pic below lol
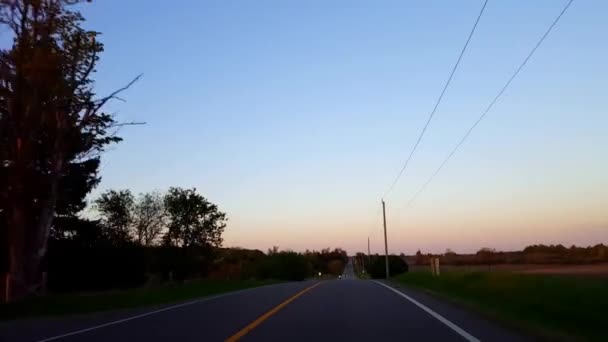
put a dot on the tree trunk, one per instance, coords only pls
(17, 287)
(47, 214)
(17, 224)
(27, 238)
(41, 229)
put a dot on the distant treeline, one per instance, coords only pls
(374, 265)
(77, 268)
(535, 254)
(158, 238)
(238, 263)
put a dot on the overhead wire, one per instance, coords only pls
(445, 87)
(482, 116)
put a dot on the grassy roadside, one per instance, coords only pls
(362, 275)
(547, 305)
(58, 305)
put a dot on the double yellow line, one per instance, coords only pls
(268, 314)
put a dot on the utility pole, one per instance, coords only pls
(385, 240)
(369, 259)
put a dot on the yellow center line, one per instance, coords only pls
(268, 314)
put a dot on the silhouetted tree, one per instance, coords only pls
(487, 256)
(377, 266)
(149, 218)
(335, 267)
(193, 220)
(81, 232)
(79, 179)
(50, 118)
(116, 211)
(284, 265)
(419, 258)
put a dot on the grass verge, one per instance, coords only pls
(362, 275)
(555, 307)
(58, 305)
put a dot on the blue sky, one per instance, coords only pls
(294, 117)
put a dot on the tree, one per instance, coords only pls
(81, 232)
(335, 267)
(487, 256)
(149, 218)
(79, 179)
(377, 266)
(284, 265)
(193, 220)
(125, 218)
(50, 120)
(419, 258)
(116, 211)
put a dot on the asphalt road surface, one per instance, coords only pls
(333, 310)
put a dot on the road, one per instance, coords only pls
(334, 310)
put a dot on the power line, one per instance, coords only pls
(464, 138)
(445, 87)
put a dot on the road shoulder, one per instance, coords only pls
(477, 324)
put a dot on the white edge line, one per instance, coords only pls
(440, 318)
(147, 314)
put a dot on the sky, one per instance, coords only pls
(296, 116)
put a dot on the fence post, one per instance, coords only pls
(437, 266)
(43, 282)
(7, 287)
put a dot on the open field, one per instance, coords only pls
(57, 305)
(549, 305)
(587, 270)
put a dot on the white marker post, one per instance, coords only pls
(435, 266)
(437, 272)
(7, 288)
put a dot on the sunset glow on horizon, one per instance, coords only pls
(296, 129)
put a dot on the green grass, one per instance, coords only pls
(58, 305)
(553, 307)
(362, 275)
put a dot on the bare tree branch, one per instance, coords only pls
(121, 124)
(101, 102)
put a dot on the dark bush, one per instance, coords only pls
(284, 266)
(377, 268)
(335, 267)
(76, 268)
(72, 267)
(179, 263)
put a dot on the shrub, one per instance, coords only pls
(284, 266)
(335, 267)
(377, 268)
(76, 268)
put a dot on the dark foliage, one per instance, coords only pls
(321, 261)
(377, 269)
(284, 266)
(52, 127)
(535, 254)
(76, 268)
(89, 261)
(193, 220)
